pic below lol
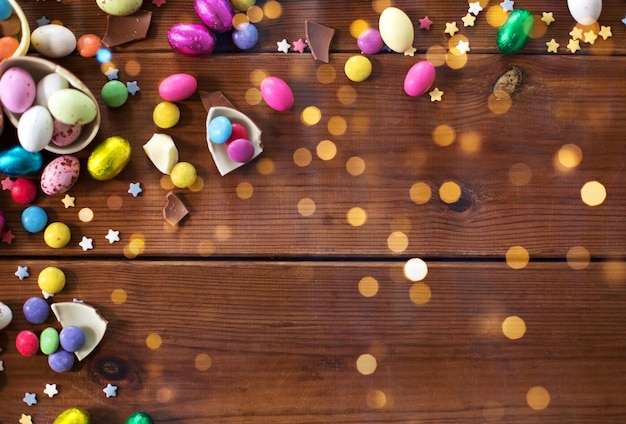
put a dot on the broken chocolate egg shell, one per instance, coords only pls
(508, 82)
(24, 35)
(219, 151)
(174, 210)
(85, 317)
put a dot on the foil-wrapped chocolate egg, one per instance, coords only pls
(216, 14)
(191, 39)
(16, 161)
(73, 416)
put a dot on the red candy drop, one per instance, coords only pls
(27, 343)
(23, 191)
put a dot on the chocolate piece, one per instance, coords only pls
(319, 38)
(174, 210)
(123, 29)
(215, 98)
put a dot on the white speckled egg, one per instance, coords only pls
(48, 85)
(53, 40)
(119, 7)
(585, 12)
(6, 316)
(35, 128)
(72, 106)
(60, 175)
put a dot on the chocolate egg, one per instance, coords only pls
(139, 418)
(585, 12)
(513, 35)
(73, 416)
(16, 161)
(191, 39)
(119, 7)
(109, 158)
(216, 14)
(60, 175)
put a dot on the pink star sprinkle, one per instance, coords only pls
(299, 45)
(425, 23)
(158, 3)
(7, 183)
(7, 237)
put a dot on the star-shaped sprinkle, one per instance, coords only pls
(112, 236)
(590, 37)
(26, 419)
(30, 399)
(135, 189)
(110, 390)
(86, 243)
(425, 23)
(475, 8)
(68, 201)
(547, 18)
(283, 46)
(410, 51)
(43, 21)
(573, 45)
(112, 73)
(463, 46)
(553, 46)
(22, 272)
(158, 3)
(451, 28)
(468, 20)
(7, 237)
(576, 33)
(624, 20)
(132, 88)
(46, 295)
(299, 46)
(507, 5)
(605, 32)
(435, 95)
(51, 390)
(7, 183)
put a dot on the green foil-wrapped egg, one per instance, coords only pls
(109, 158)
(73, 416)
(513, 35)
(139, 418)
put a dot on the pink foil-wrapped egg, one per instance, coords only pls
(191, 39)
(419, 78)
(216, 14)
(60, 175)
(277, 94)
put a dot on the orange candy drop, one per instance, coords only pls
(8, 46)
(88, 45)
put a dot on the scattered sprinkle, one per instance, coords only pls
(86, 243)
(135, 189)
(30, 399)
(507, 5)
(43, 21)
(468, 20)
(624, 20)
(283, 46)
(7, 237)
(553, 46)
(132, 88)
(425, 23)
(22, 272)
(435, 95)
(299, 45)
(46, 295)
(68, 201)
(110, 390)
(26, 419)
(547, 18)
(475, 8)
(158, 3)
(7, 183)
(113, 236)
(576, 33)
(451, 28)
(605, 32)
(590, 37)
(112, 73)
(573, 45)
(463, 46)
(51, 390)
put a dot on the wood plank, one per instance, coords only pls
(280, 342)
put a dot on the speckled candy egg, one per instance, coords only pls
(191, 39)
(72, 106)
(17, 90)
(60, 175)
(119, 7)
(216, 14)
(53, 40)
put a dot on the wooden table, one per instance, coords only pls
(282, 296)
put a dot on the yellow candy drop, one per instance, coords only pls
(183, 174)
(51, 280)
(166, 115)
(358, 68)
(57, 235)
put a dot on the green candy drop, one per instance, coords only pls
(513, 35)
(139, 418)
(49, 341)
(114, 93)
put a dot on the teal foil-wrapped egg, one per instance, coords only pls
(17, 161)
(513, 35)
(139, 418)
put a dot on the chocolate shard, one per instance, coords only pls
(319, 38)
(174, 210)
(215, 98)
(123, 29)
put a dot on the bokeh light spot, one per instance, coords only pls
(85, 215)
(578, 257)
(164, 394)
(257, 76)
(119, 296)
(357, 27)
(306, 207)
(538, 398)
(420, 193)
(132, 68)
(470, 142)
(311, 115)
(265, 166)
(420, 293)
(593, 193)
(397, 242)
(197, 185)
(154, 341)
(444, 135)
(499, 105)
(368, 286)
(355, 166)
(415, 269)
(436, 55)
(356, 217)
(569, 156)
(255, 14)
(326, 150)
(496, 15)
(366, 364)
(376, 399)
(203, 362)
(346, 94)
(272, 9)
(253, 96)
(517, 257)
(337, 125)
(244, 190)
(240, 21)
(206, 248)
(302, 157)
(513, 327)
(115, 202)
(326, 74)
(456, 61)
(166, 183)
(449, 192)
(520, 174)
(223, 232)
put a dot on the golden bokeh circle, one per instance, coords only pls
(450, 192)
(578, 258)
(244, 190)
(368, 286)
(302, 157)
(366, 364)
(306, 207)
(420, 193)
(355, 166)
(397, 242)
(593, 193)
(326, 150)
(517, 257)
(203, 362)
(538, 398)
(356, 217)
(513, 327)
(420, 293)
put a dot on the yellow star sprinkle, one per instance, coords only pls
(26, 419)
(435, 95)
(605, 32)
(576, 33)
(547, 18)
(68, 201)
(573, 45)
(590, 37)
(451, 28)
(468, 20)
(553, 46)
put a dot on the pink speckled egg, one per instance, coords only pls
(17, 90)
(177, 87)
(419, 78)
(191, 39)
(65, 134)
(277, 94)
(216, 14)
(60, 175)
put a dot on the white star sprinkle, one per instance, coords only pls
(22, 272)
(507, 5)
(30, 399)
(475, 8)
(463, 46)
(110, 390)
(113, 236)
(135, 189)
(51, 390)
(283, 46)
(86, 243)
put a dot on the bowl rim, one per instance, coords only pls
(24, 45)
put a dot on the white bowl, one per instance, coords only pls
(220, 156)
(24, 45)
(38, 68)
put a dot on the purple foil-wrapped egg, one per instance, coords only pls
(216, 14)
(191, 39)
